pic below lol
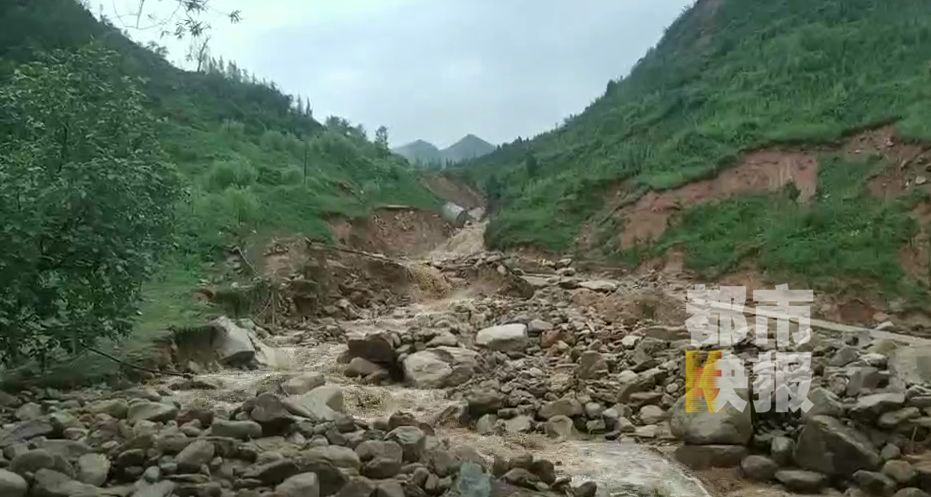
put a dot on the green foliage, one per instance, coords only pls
(723, 80)
(86, 199)
(85, 232)
(844, 231)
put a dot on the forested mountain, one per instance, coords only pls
(419, 152)
(246, 161)
(469, 147)
(426, 154)
(727, 78)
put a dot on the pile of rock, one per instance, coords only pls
(867, 430)
(433, 357)
(141, 443)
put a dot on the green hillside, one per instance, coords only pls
(727, 77)
(254, 163)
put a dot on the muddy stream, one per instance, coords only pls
(619, 469)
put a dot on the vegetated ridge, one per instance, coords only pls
(253, 161)
(730, 78)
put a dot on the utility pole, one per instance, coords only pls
(305, 161)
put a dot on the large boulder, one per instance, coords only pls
(11, 484)
(232, 343)
(911, 364)
(828, 446)
(50, 483)
(504, 338)
(320, 404)
(373, 347)
(439, 367)
(302, 485)
(302, 384)
(727, 426)
(145, 410)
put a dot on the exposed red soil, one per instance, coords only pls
(765, 170)
(760, 171)
(452, 191)
(393, 232)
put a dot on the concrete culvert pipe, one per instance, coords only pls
(455, 214)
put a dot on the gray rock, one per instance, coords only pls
(28, 411)
(862, 379)
(912, 365)
(301, 485)
(303, 383)
(339, 457)
(486, 424)
(241, 430)
(874, 483)
(34, 460)
(890, 451)
(69, 449)
(160, 489)
(844, 356)
(358, 486)
(823, 403)
(389, 488)
(603, 286)
(93, 469)
(710, 456)
(484, 402)
(359, 366)
(194, 456)
(504, 338)
(50, 483)
(320, 404)
(26, 430)
(801, 481)
(561, 407)
(113, 407)
(559, 427)
(371, 449)
(782, 449)
(380, 468)
(11, 484)
(538, 326)
(891, 419)
(877, 403)
(900, 471)
(759, 468)
(411, 439)
(426, 369)
(591, 364)
(651, 414)
(472, 481)
(374, 347)
(828, 446)
(273, 473)
(233, 344)
(145, 410)
(911, 492)
(519, 424)
(727, 426)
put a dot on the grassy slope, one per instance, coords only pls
(242, 150)
(744, 75)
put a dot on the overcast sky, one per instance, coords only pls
(431, 69)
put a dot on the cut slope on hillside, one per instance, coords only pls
(729, 77)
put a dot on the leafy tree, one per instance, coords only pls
(87, 202)
(533, 167)
(381, 140)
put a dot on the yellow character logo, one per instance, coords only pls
(701, 381)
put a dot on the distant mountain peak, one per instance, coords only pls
(423, 152)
